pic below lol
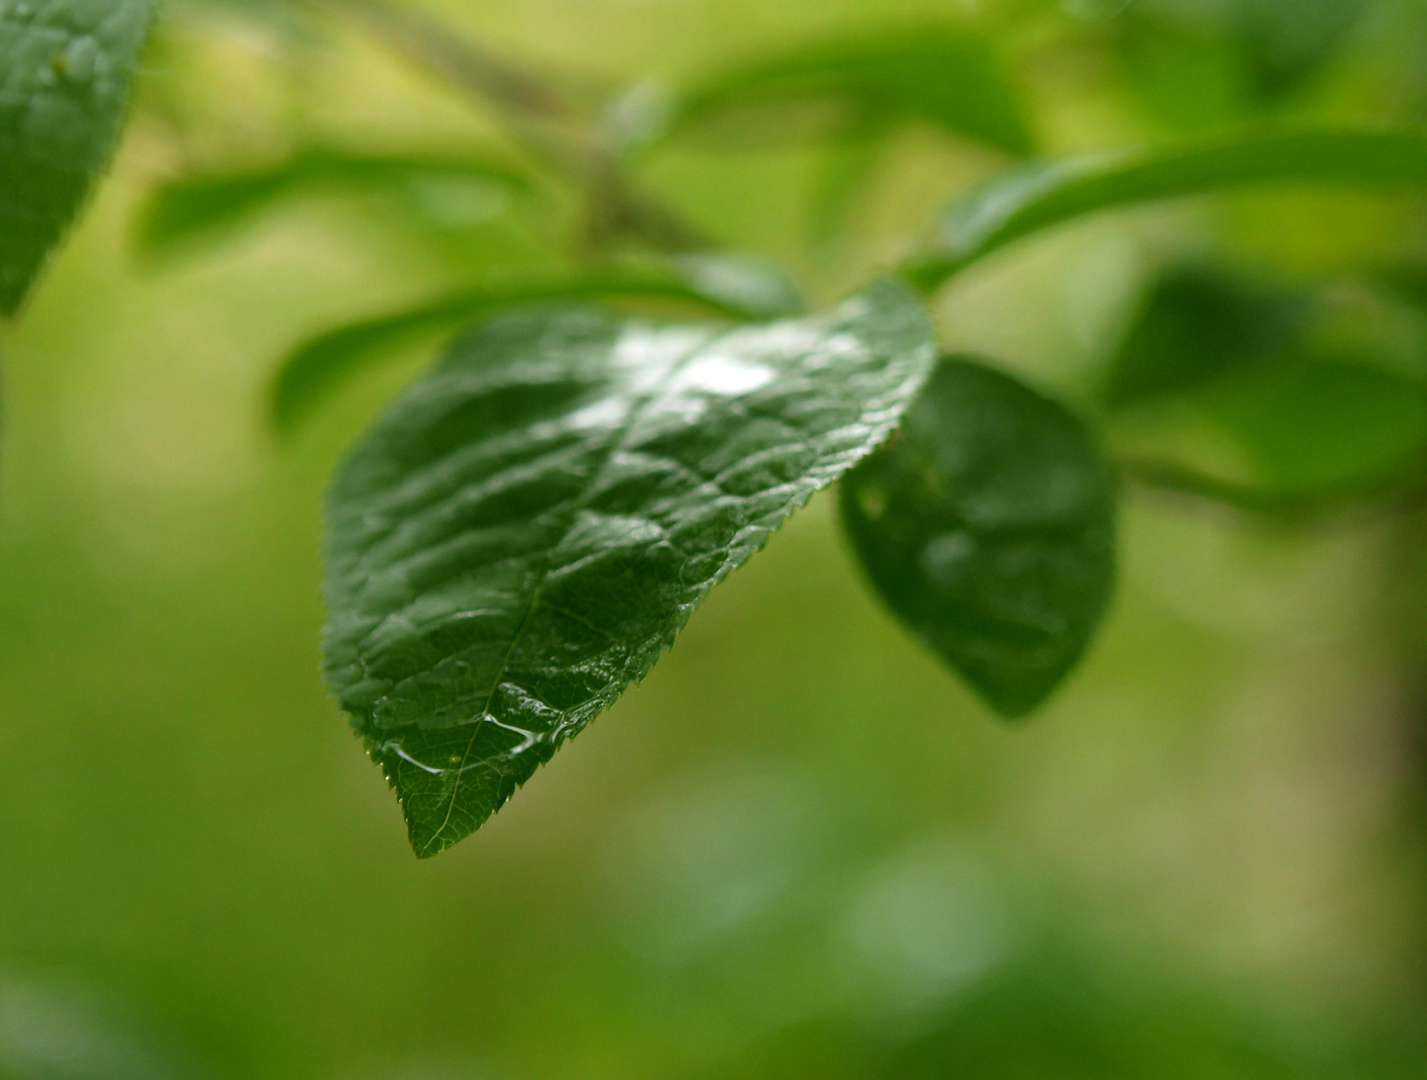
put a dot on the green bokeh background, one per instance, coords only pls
(800, 848)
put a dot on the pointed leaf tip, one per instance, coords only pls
(67, 68)
(528, 528)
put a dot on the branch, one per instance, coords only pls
(526, 105)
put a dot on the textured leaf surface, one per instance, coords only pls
(1025, 200)
(64, 77)
(987, 525)
(945, 75)
(724, 286)
(526, 530)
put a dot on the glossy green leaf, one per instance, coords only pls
(1026, 200)
(944, 75)
(194, 207)
(726, 287)
(65, 68)
(523, 533)
(987, 524)
(1197, 322)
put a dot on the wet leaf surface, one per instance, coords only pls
(527, 529)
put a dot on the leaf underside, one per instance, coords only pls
(524, 532)
(64, 78)
(987, 524)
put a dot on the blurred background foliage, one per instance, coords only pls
(800, 849)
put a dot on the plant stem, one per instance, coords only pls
(532, 110)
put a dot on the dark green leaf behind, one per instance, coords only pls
(987, 524)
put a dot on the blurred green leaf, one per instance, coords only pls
(1404, 280)
(1028, 199)
(1197, 322)
(1299, 506)
(1287, 42)
(1251, 49)
(948, 76)
(1189, 75)
(743, 284)
(1321, 435)
(843, 177)
(66, 69)
(523, 533)
(196, 207)
(987, 524)
(739, 288)
(1323, 424)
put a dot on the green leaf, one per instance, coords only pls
(1272, 47)
(987, 524)
(1026, 200)
(1324, 424)
(1189, 76)
(1318, 436)
(948, 76)
(1287, 43)
(845, 174)
(1285, 505)
(65, 67)
(737, 288)
(194, 207)
(523, 533)
(1198, 322)
(744, 284)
